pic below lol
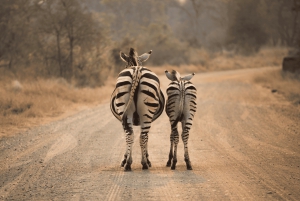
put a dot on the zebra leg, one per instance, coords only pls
(129, 142)
(175, 139)
(171, 150)
(185, 138)
(143, 144)
(147, 155)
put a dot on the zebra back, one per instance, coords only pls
(182, 96)
(130, 82)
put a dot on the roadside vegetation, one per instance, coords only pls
(227, 60)
(31, 101)
(27, 103)
(59, 55)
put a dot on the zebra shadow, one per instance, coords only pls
(153, 177)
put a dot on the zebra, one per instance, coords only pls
(180, 107)
(136, 100)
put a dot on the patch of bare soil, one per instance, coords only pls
(242, 147)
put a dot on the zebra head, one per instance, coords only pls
(175, 76)
(133, 59)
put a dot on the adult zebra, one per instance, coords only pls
(136, 100)
(181, 107)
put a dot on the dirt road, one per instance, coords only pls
(243, 146)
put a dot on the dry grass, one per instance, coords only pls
(227, 60)
(265, 57)
(285, 83)
(30, 103)
(27, 103)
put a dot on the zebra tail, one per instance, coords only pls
(135, 83)
(181, 101)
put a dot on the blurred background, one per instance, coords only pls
(81, 39)
(53, 48)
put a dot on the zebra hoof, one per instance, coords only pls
(127, 168)
(173, 167)
(168, 164)
(188, 165)
(149, 163)
(145, 167)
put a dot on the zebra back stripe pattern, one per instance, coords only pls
(181, 96)
(130, 82)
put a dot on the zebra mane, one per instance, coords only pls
(133, 59)
(176, 75)
(132, 53)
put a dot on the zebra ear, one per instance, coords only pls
(124, 57)
(144, 57)
(188, 77)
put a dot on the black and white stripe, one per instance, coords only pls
(181, 107)
(137, 100)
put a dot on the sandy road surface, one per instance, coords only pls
(242, 147)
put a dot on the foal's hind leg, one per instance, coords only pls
(147, 155)
(185, 138)
(174, 139)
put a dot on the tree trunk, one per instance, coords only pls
(71, 56)
(10, 62)
(59, 54)
(295, 29)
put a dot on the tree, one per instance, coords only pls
(50, 23)
(282, 21)
(15, 17)
(296, 9)
(72, 27)
(200, 23)
(246, 30)
(144, 25)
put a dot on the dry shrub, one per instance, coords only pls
(265, 57)
(43, 98)
(204, 60)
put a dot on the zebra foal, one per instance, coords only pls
(181, 107)
(136, 100)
